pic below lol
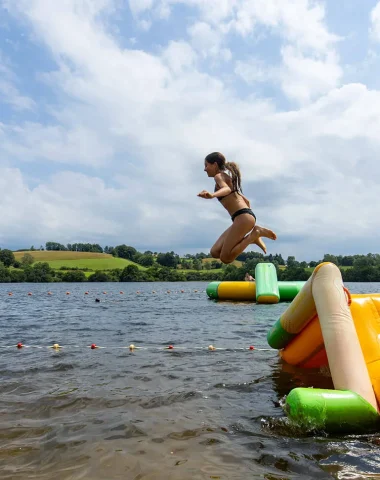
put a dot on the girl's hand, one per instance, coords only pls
(205, 194)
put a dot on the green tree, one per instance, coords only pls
(130, 274)
(215, 264)
(362, 261)
(5, 276)
(169, 259)
(7, 257)
(232, 273)
(347, 261)
(330, 258)
(146, 260)
(292, 262)
(26, 259)
(124, 251)
(39, 272)
(98, 276)
(17, 276)
(74, 276)
(197, 264)
(54, 246)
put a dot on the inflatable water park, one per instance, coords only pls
(324, 327)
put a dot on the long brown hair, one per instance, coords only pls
(232, 167)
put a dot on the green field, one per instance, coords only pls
(202, 272)
(94, 261)
(237, 263)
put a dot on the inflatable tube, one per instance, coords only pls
(289, 290)
(266, 283)
(212, 289)
(232, 290)
(325, 326)
(331, 410)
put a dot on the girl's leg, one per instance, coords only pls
(237, 240)
(217, 247)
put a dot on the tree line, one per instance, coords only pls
(169, 266)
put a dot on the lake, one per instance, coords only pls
(155, 413)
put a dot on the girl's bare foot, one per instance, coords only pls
(264, 232)
(259, 242)
(258, 232)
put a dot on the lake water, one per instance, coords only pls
(185, 413)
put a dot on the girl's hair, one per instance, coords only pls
(232, 167)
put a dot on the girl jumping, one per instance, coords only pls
(243, 230)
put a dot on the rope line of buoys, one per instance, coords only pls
(132, 347)
(138, 292)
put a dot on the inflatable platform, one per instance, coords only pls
(265, 289)
(326, 326)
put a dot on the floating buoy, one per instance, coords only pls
(56, 346)
(168, 291)
(20, 345)
(29, 293)
(153, 291)
(86, 293)
(104, 293)
(182, 291)
(93, 346)
(170, 347)
(10, 294)
(195, 291)
(131, 347)
(67, 293)
(121, 293)
(49, 293)
(211, 347)
(251, 347)
(137, 292)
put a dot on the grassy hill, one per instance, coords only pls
(237, 263)
(94, 261)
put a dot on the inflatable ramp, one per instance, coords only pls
(326, 326)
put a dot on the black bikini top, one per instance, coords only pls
(221, 198)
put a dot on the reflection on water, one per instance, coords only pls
(186, 413)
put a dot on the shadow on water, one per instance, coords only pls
(187, 413)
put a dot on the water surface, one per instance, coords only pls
(186, 413)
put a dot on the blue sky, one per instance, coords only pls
(108, 107)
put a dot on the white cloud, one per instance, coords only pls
(179, 56)
(212, 11)
(205, 39)
(139, 6)
(375, 23)
(310, 63)
(304, 78)
(301, 78)
(254, 71)
(32, 141)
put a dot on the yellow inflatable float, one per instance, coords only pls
(327, 326)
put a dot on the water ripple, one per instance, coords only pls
(186, 413)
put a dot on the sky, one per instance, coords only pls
(109, 107)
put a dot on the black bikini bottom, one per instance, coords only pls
(241, 211)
